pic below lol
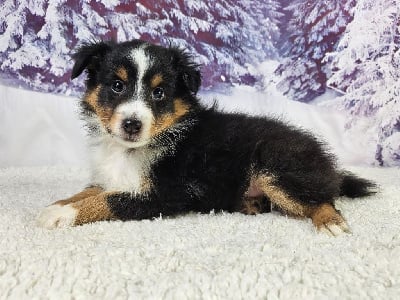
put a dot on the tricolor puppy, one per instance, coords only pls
(156, 150)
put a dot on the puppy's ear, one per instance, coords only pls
(188, 71)
(88, 56)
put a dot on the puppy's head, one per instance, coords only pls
(136, 90)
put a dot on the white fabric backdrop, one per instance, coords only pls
(43, 129)
(39, 129)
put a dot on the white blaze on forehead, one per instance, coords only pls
(142, 63)
(135, 109)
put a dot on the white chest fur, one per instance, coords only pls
(116, 169)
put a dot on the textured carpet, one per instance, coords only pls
(213, 256)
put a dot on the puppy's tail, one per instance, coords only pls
(353, 186)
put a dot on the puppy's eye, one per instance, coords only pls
(158, 93)
(118, 86)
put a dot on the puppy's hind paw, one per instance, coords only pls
(329, 220)
(333, 229)
(56, 215)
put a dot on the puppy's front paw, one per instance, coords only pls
(56, 215)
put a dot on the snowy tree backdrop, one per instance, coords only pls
(314, 27)
(350, 47)
(38, 36)
(366, 68)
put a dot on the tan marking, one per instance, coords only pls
(146, 185)
(278, 196)
(156, 80)
(104, 114)
(326, 218)
(115, 121)
(169, 119)
(91, 97)
(88, 192)
(93, 209)
(252, 205)
(122, 73)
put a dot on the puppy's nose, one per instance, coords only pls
(131, 126)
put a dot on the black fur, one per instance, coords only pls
(89, 57)
(353, 186)
(210, 167)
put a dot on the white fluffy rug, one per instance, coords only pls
(214, 256)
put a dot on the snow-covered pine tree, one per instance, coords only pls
(366, 68)
(225, 35)
(38, 36)
(314, 28)
(17, 51)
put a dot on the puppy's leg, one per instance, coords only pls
(88, 206)
(107, 206)
(324, 216)
(86, 193)
(61, 213)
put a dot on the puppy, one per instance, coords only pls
(155, 150)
